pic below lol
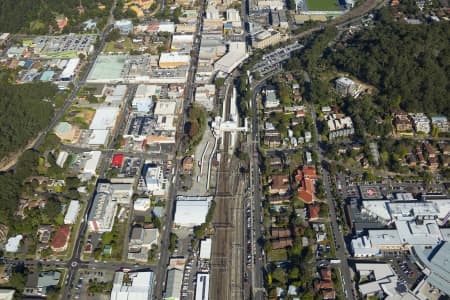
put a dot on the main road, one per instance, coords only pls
(161, 270)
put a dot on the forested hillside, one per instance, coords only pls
(407, 61)
(25, 110)
(35, 16)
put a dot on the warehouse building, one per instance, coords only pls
(132, 285)
(237, 53)
(191, 211)
(70, 70)
(173, 60)
(202, 288)
(174, 283)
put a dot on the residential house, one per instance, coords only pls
(44, 233)
(280, 233)
(279, 184)
(282, 243)
(313, 211)
(402, 122)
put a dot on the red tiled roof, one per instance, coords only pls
(306, 178)
(314, 211)
(61, 237)
(325, 274)
(117, 160)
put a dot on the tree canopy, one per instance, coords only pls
(24, 16)
(406, 63)
(26, 110)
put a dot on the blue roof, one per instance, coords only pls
(28, 64)
(47, 75)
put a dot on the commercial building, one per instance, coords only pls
(173, 60)
(212, 47)
(166, 26)
(102, 124)
(237, 53)
(185, 28)
(104, 118)
(191, 211)
(182, 42)
(382, 278)
(233, 17)
(132, 285)
(122, 193)
(143, 99)
(142, 204)
(90, 163)
(39, 283)
(124, 26)
(202, 287)
(115, 96)
(173, 284)
(7, 294)
(205, 96)
(436, 264)
(165, 108)
(270, 4)
(155, 181)
(140, 243)
(61, 239)
(266, 38)
(70, 70)
(103, 211)
(72, 212)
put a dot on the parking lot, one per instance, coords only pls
(85, 277)
(407, 271)
(272, 60)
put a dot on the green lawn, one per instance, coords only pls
(278, 255)
(324, 5)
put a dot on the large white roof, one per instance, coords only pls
(205, 248)
(105, 118)
(92, 162)
(70, 68)
(191, 211)
(13, 243)
(72, 212)
(165, 107)
(139, 286)
(202, 288)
